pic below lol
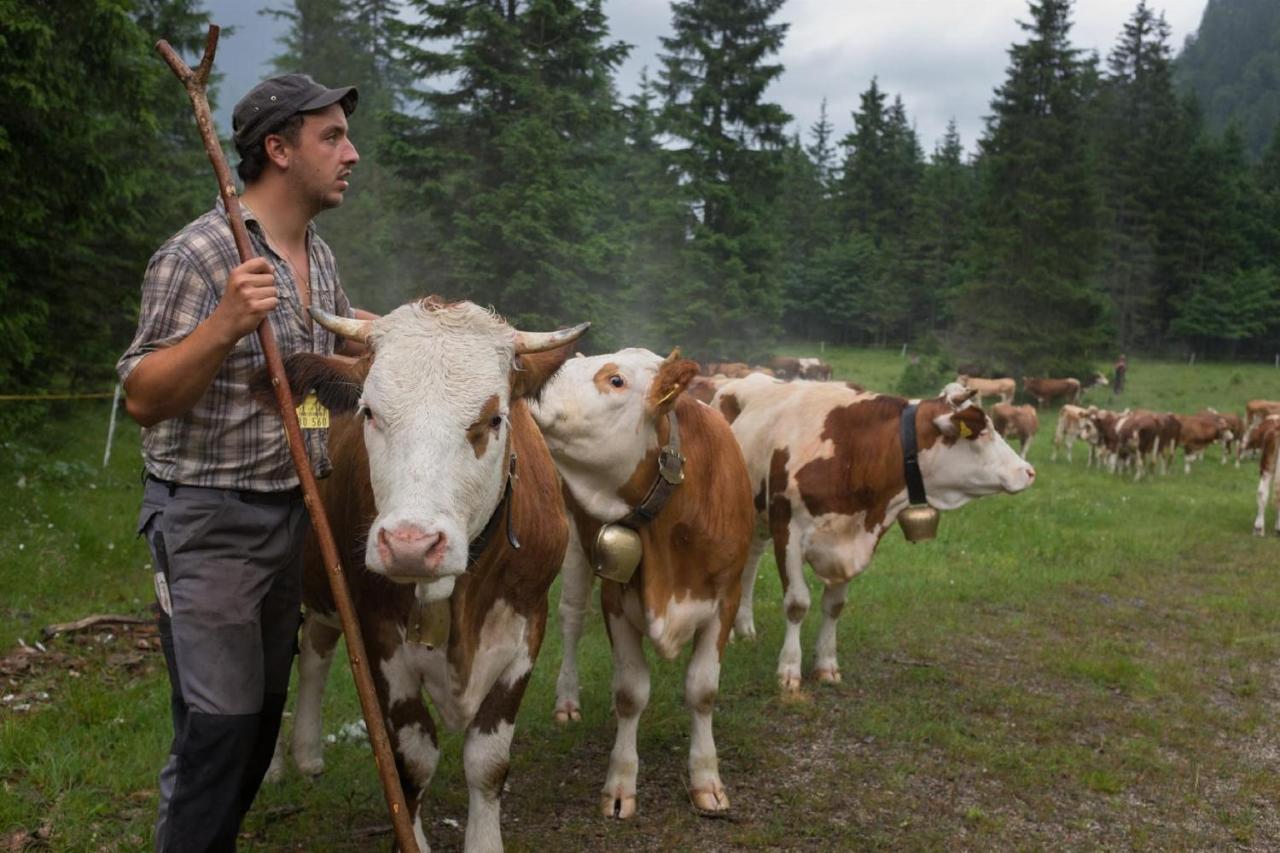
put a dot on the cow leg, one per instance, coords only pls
(315, 656)
(795, 600)
(575, 598)
(630, 696)
(826, 667)
(486, 758)
(410, 728)
(744, 625)
(701, 685)
(1264, 493)
(1026, 446)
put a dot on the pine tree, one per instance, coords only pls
(944, 227)
(1033, 303)
(727, 148)
(508, 156)
(1141, 149)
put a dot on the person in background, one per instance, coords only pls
(221, 507)
(1117, 384)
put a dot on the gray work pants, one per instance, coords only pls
(228, 580)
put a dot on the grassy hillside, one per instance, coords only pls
(1088, 664)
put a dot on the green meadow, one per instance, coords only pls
(1089, 664)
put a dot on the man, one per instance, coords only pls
(221, 507)
(1121, 368)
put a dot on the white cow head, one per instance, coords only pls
(434, 395)
(599, 416)
(969, 459)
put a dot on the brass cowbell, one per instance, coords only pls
(617, 553)
(919, 522)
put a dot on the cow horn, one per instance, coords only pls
(959, 398)
(346, 327)
(529, 342)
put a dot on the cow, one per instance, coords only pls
(1253, 435)
(1256, 410)
(1170, 435)
(606, 420)
(1267, 438)
(731, 369)
(1048, 390)
(788, 367)
(1020, 421)
(1100, 431)
(1003, 388)
(446, 508)
(827, 467)
(1138, 439)
(703, 388)
(1230, 431)
(1071, 420)
(1196, 432)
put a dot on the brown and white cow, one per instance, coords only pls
(1071, 420)
(1003, 388)
(1267, 439)
(1048, 390)
(789, 367)
(427, 431)
(1230, 433)
(1170, 436)
(1256, 410)
(827, 466)
(1138, 438)
(1099, 431)
(1019, 421)
(605, 419)
(1196, 432)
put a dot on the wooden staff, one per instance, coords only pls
(196, 82)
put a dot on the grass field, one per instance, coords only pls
(1089, 664)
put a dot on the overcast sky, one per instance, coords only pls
(945, 57)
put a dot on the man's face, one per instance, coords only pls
(322, 160)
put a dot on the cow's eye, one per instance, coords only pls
(365, 412)
(495, 422)
(617, 381)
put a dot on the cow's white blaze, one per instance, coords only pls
(597, 425)
(433, 373)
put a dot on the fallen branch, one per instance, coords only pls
(48, 632)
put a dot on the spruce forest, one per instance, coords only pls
(1111, 205)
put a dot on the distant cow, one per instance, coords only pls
(1100, 431)
(1256, 410)
(1003, 388)
(1019, 421)
(1197, 433)
(1048, 390)
(1230, 432)
(606, 421)
(438, 472)
(1138, 435)
(826, 463)
(1268, 440)
(1071, 420)
(787, 367)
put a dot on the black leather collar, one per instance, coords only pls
(670, 475)
(478, 544)
(911, 456)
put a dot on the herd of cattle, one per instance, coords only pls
(472, 463)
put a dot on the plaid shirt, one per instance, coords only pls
(228, 440)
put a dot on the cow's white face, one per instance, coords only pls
(598, 417)
(436, 428)
(978, 462)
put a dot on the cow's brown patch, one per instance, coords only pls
(602, 377)
(480, 430)
(673, 376)
(730, 407)
(779, 510)
(500, 705)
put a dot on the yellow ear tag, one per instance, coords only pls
(675, 389)
(312, 414)
(965, 432)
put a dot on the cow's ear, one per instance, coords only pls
(966, 423)
(674, 375)
(338, 383)
(530, 371)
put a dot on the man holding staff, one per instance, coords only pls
(221, 507)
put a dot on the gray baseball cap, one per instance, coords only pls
(276, 99)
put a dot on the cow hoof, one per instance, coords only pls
(275, 773)
(744, 632)
(310, 767)
(713, 799)
(567, 712)
(621, 806)
(827, 676)
(789, 683)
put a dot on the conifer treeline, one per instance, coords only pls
(501, 164)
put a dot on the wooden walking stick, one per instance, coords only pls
(196, 82)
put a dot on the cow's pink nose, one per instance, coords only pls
(409, 546)
(1031, 474)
